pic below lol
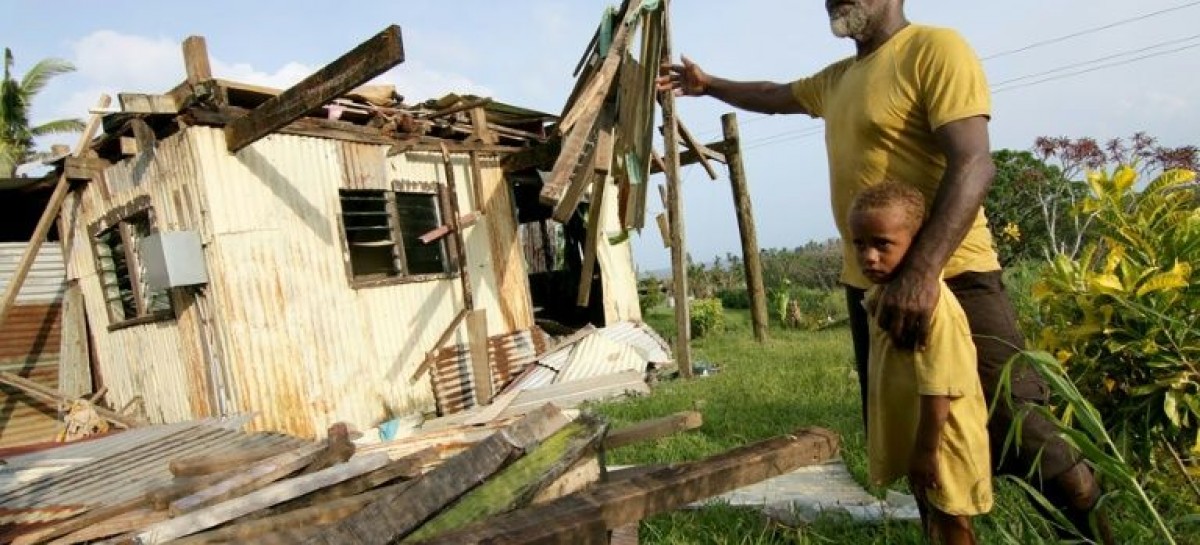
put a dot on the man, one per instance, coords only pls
(913, 105)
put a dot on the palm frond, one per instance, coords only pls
(58, 126)
(41, 73)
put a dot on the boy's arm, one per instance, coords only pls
(923, 465)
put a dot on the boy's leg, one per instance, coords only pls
(941, 528)
(860, 335)
(1055, 468)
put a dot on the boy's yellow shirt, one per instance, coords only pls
(880, 116)
(898, 379)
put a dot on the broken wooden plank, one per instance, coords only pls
(460, 244)
(328, 512)
(664, 228)
(395, 515)
(586, 472)
(515, 485)
(138, 103)
(206, 464)
(493, 410)
(82, 521)
(160, 498)
(697, 147)
(369, 59)
(460, 106)
(446, 334)
(588, 268)
(405, 468)
(257, 476)
(128, 145)
(581, 120)
(571, 394)
(480, 130)
(273, 494)
(716, 151)
(54, 397)
(466, 220)
(120, 524)
(539, 156)
(653, 429)
(623, 502)
(481, 367)
(83, 168)
(195, 60)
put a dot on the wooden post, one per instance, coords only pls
(195, 60)
(48, 215)
(683, 326)
(745, 218)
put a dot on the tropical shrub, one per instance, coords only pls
(734, 298)
(707, 316)
(650, 293)
(1122, 315)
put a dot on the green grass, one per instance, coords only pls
(797, 379)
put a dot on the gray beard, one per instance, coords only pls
(850, 23)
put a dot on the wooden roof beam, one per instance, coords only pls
(369, 59)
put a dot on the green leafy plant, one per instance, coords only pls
(707, 316)
(1081, 425)
(1121, 316)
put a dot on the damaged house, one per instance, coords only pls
(322, 254)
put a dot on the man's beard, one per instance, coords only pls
(849, 21)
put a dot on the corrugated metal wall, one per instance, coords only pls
(300, 346)
(159, 362)
(29, 345)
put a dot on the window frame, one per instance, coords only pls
(447, 243)
(120, 222)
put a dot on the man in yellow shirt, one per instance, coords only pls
(913, 105)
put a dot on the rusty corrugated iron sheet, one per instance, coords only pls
(508, 355)
(30, 343)
(60, 483)
(46, 278)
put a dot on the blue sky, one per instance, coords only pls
(523, 51)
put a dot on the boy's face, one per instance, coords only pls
(881, 237)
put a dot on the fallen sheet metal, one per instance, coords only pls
(61, 482)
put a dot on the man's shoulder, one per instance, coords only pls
(925, 36)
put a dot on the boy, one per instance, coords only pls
(927, 415)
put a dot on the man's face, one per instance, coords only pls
(881, 237)
(853, 18)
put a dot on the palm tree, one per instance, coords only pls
(16, 97)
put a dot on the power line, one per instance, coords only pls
(1095, 68)
(1089, 31)
(1096, 60)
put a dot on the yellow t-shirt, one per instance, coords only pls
(898, 378)
(880, 114)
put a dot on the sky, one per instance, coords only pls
(1098, 68)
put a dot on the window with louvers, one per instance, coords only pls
(383, 230)
(122, 273)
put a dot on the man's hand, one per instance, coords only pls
(684, 79)
(923, 470)
(906, 306)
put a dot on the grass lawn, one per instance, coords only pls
(797, 379)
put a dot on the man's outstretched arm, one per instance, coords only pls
(756, 96)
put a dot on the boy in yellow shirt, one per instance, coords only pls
(927, 415)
